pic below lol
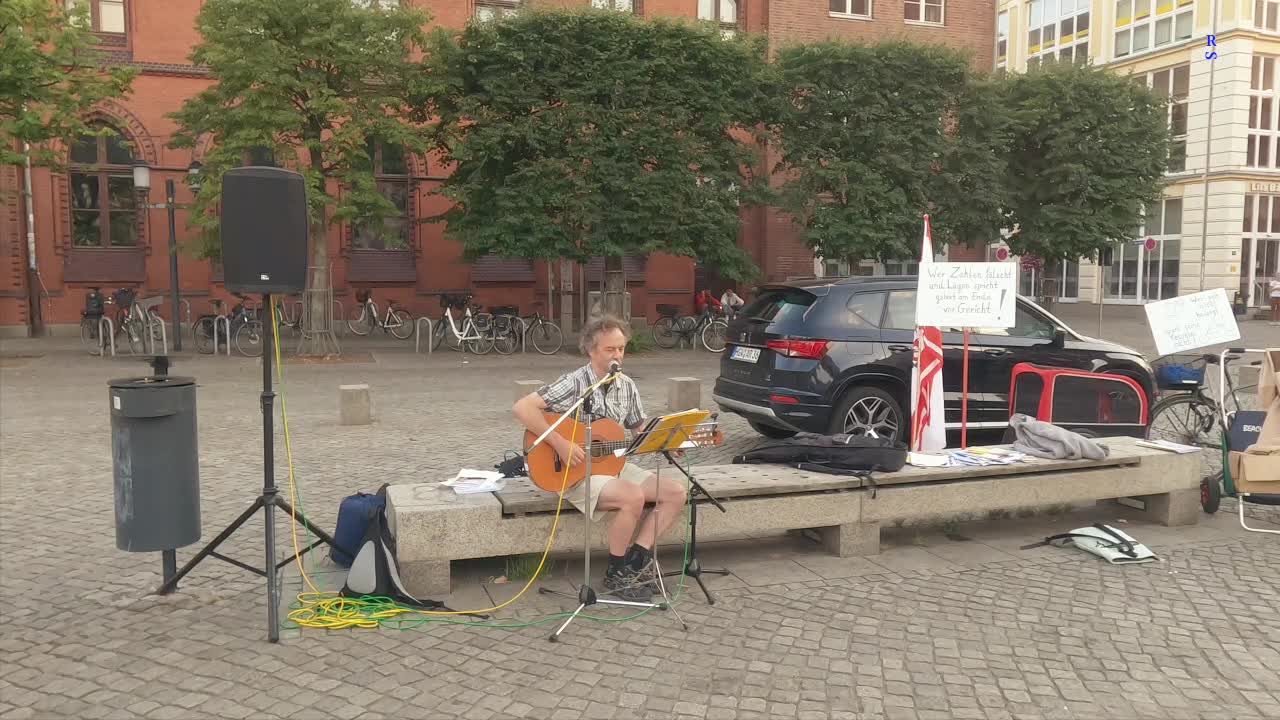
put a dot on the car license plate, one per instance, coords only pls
(746, 354)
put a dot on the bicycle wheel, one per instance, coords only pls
(360, 321)
(203, 333)
(89, 335)
(483, 344)
(249, 339)
(714, 334)
(136, 332)
(1190, 419)
(401, 325)
(546, 337)
(665, 334)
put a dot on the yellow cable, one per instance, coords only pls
(330, 610)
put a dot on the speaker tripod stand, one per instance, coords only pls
(268, 501)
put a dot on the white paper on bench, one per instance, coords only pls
(470, 482)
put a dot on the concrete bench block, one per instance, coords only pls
(355, 406)
(524, 387)
(683, 393)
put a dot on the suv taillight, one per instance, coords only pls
(811, 349)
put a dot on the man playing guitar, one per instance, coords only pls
(631, 570)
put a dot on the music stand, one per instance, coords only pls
(586, 595)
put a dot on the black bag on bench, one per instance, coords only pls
(834, 454)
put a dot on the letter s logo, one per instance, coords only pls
(1211, 55)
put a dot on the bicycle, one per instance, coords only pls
(129, 320)
(476, 331)
(1188, 415)
(398, 321)
(244, 326)
(545, 335)
(670, 329)
(506, 328)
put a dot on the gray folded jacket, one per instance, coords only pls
(1047, 440)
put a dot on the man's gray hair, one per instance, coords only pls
(597, 326)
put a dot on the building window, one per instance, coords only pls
(1264, 14)
(928, 11)
(1143, 25)
(1262, 144)
(1002, 39)
(495, 9)
(105, 16)
(619, 5)
(391, 173)
(1057, 30)
(1259, 247)
(854, 8)
(104, 211)
(724, 12)
(1160, 266)
(1174, 85)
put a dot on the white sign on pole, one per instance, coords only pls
(967, 294)
(1193, 321)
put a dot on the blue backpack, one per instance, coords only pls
(353, 521)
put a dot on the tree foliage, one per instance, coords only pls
(49, 78)
(311, 81)
(870, 137)
(1088, 152)
(593, 133)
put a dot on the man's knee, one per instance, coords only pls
(626, 497)
(672, 494)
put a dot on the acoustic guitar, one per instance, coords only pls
(547, 470)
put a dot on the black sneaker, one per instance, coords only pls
(622, 583)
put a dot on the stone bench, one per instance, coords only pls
(434, 526)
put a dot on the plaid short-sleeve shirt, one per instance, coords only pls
(620, 400)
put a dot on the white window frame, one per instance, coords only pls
(714, 11)
(487, 10)
(619, 5)
(1146, 15)
(942, 12)
(1262, 8)
(1038, 22)
(95, 15)
(1002, 34)
(1173, 103)
(849, 13)
(1264, 105)
(1162, 237)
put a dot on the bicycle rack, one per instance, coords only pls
(186, 311)
(417, 334)
(108, 337)
(153, 321)
(226, 322)
(340, 327)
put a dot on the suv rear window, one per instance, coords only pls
(779, 304)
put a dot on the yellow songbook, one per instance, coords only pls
(667, 432)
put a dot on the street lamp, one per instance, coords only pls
(142, 185)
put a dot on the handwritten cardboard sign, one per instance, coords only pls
(1193, 321)
(967, 294)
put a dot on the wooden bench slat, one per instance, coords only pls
(735, 481)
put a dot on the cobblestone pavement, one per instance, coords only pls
(954, 625)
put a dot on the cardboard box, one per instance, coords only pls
(1255, 472)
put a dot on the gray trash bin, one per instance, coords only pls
(155, 462)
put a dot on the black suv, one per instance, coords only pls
(828, 356)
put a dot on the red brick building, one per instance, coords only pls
(86, 232)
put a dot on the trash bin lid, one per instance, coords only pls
(153, 381)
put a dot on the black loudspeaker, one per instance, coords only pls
(264, 230)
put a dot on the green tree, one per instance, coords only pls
(49, 78)
(870, 137)
(312, 82)
(1088, 152)
(595, 133)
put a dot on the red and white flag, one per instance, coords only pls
(928, 431)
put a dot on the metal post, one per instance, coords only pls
(171, 206)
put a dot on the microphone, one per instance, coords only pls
(615, 367)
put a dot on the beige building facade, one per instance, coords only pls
(1219, 223)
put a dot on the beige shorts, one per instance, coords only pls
(577, 495)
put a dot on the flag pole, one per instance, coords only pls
(964, 396)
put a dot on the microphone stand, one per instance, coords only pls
(586, 594)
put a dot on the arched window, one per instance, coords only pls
(391, 173)
(104, 210)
